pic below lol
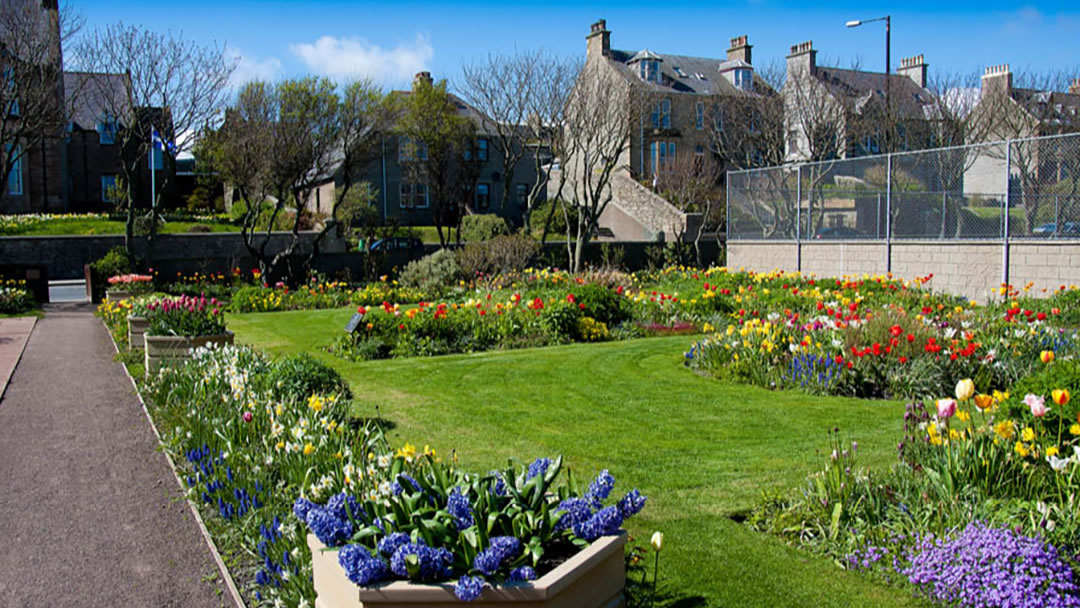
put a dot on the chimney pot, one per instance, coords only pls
(598, 42)
(740, 49)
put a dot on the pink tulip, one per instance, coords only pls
(1037, 405)
(247, 416)
(946, 408)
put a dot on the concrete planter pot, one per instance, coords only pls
(117, 294)
(137, 326)
(162, 351)
(593, 578)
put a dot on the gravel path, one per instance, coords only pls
(90, 513)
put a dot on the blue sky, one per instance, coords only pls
(389, 41)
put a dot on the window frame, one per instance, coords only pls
(482, 202)
(105, 189)
(482, 149)
(107, 130)
(699, 115)
(16, 177)
(521, 194)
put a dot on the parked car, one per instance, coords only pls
(839, 232)
(398, 243)
(1070, 229)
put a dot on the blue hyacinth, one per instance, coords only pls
(605, 522)
(457, 505)
(329, 529)
(344, 506)
(428, 563)
(538, 467)
(631, 504)
(502, 549)
(361, 567)
(469, 588)
(523, 573)
(397, 488)
(600, 488)
(301, 508)
(389, 544)
(578, 510)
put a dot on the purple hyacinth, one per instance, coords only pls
(329, 529)
(469, 588)
(600, 489)
(361, 567)
(457, 505)
(538, 467)
(605, 522)
(631, 504)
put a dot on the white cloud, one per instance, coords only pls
(249, 68)
(347, 58)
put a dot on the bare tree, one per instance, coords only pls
(524, 94)
(174, 87)
(280, 143)
(692, 185)
(593, 143)
(32, 96)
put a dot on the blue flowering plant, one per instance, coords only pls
(434, 522)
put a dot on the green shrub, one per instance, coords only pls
(433, 273)
(602, 304)
(300, 376)
(113, 263)
(476, 228)
(200, 228)
(500, 255)
(15, 300)
(553, 210)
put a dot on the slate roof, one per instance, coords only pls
(700, 75)
(1050, 107)
(93, 95)
(856, 88)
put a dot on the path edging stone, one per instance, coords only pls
(226, 575)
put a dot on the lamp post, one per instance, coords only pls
(888, 108)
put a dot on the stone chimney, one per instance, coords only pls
(1074, 88)
(803, 59)
(997, 79)
(422, 77)
(740, 49)
(914, 68)
(598, 42)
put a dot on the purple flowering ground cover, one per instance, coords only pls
(979, 567)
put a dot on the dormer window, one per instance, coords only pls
(649, 70)
(744, 79)
(648, 65)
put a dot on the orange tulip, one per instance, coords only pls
(1046, 356)
(983, 401)
(1060, 395)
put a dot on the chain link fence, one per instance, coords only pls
(1026, 189)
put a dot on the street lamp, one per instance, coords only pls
(888, 31)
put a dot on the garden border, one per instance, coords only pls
(226, 575)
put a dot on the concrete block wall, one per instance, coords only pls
(970, 269)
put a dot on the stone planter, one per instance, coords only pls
(117, 294)
(592, 578)
(137, 326)
(164, 351)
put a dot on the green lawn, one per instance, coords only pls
(95, 226)
(701, 450)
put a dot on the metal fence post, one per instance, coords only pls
(798, 218)
(888, 213)
(1005, 220)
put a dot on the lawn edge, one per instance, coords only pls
(226, 575)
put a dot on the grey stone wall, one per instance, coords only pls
(66, 255)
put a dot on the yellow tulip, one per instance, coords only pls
(1046, 356)
(1060, 395)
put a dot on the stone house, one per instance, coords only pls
(398, 198)
(839, 113)
(1007, 112)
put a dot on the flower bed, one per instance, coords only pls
(15, 298)
(132, 284)
(254, 434)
